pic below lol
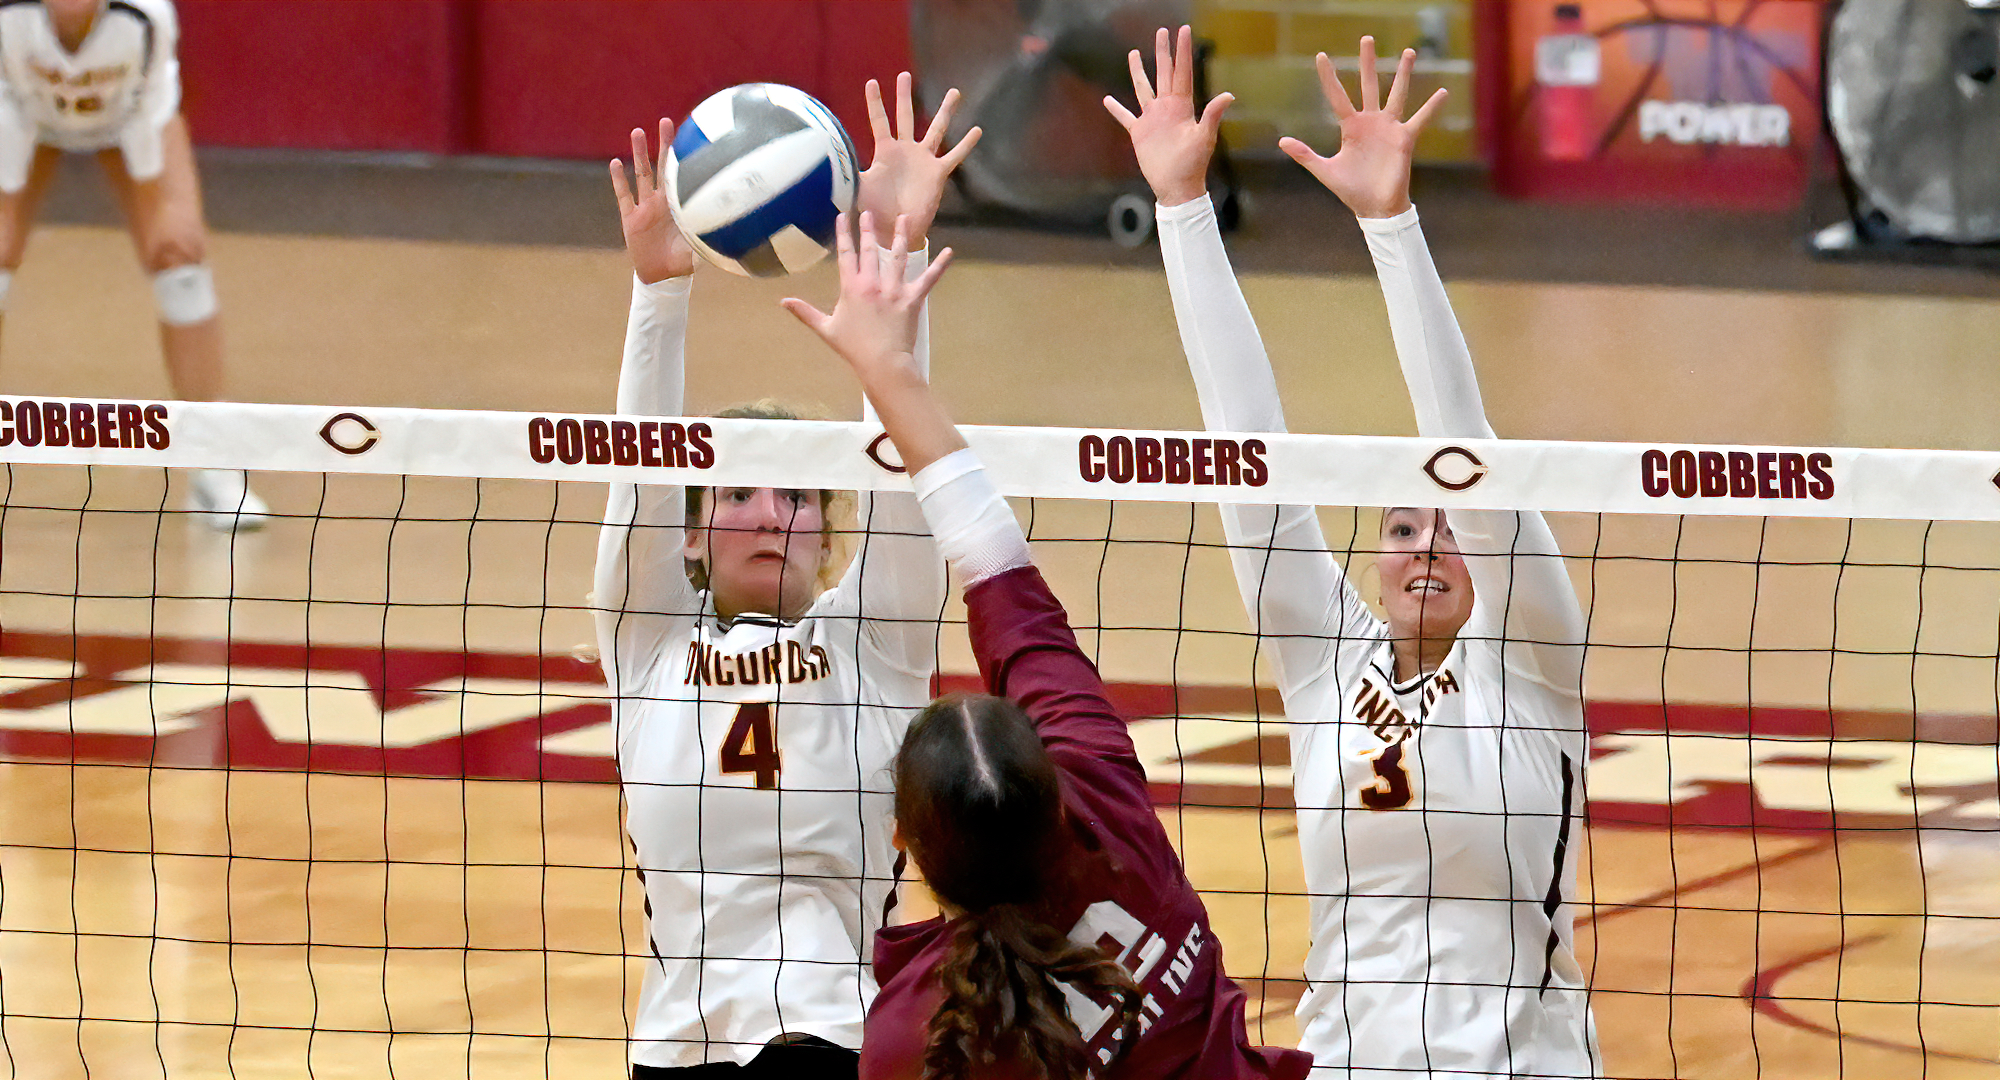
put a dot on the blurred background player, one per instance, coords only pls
(1026, 809)
(757, 714)
(1438, 756)
(101, 77)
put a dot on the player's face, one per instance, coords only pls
(1425, 588)
(763, 548)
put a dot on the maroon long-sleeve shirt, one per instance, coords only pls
(1133, 898)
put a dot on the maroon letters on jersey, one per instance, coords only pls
(1139, 905)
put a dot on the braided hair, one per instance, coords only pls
(979, 805)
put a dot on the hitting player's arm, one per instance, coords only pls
(896, 582)
(1524, 592)
(159, 98)
(643, 597)
(1020, 633)
(1300, 599)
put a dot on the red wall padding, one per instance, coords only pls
(325, 74)
(540, 78)
(570, 78)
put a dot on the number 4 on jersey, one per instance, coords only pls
(752, 745)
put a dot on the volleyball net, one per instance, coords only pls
(338, 796)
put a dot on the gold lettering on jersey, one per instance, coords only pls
(1376, 708)
(82, 79)
(782, 662)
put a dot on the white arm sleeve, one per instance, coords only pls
(1522, 590)
(1293, 587)
(159, 98)
(644, 601)
(895, 586)
(974, 526)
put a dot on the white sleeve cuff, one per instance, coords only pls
(1191, 210)
(669, 288)
(1386, 226)
(975, 528)
(944, 470)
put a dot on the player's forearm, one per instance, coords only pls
(1225, 354)
(640, 568)
(913, 416)
(1437, 366)
(651, 377)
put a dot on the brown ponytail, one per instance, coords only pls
(1002, 1001)
(980, 805)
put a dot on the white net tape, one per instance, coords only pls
(1150, 466)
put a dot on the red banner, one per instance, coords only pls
(1690, 101)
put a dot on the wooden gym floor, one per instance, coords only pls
(214, 882)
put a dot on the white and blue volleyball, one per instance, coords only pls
(757, 175)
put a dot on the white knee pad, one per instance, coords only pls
(6, 286)
(185, 294)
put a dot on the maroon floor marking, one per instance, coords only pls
(1760, 991)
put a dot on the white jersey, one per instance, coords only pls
(118, 89)
(755, 756)
(1439, 818)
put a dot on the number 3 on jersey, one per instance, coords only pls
(1391, 787)
(752, 745)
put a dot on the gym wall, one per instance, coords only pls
(532, 78)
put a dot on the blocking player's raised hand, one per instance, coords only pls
(1172, 142)
(654, 242)
(906, 177)
(874, 328)
(1371, 171)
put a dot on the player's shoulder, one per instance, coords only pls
(19, 11)
(159, 15)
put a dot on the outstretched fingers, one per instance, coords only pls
(620, 189)
(1163, 62)
(843, 246)
(1119, 112)
(1371, 84)
(1298, 151)
(1184, 64)
(878, 115)
(1211, 114)
(666, 144)
(920, 289)
(865, 269)
(815, 319)
(1329, 84)
(960, 152)
(899, 252)
(1303, 154)
(906, 109)
(1427, 111)
(941, 121)
(1142, 87)
(642, 163)
(1399, 87)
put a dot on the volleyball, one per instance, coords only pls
(756, 177)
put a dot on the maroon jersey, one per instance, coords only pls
(1134, 901)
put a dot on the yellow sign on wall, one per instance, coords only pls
(1264, 55)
